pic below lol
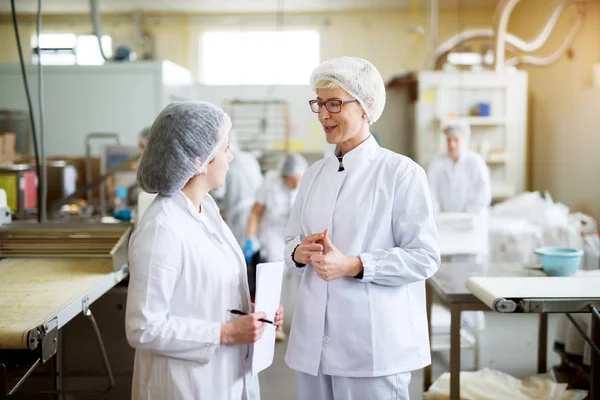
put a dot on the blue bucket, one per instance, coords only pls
(559, 261)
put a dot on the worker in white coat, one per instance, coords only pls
(269, 216)
(187, 270)
(460, 182)
(135, 196)
(239, 192)
(272, 208)
(362, 233)
(143, 139)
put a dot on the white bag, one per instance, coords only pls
(495, 385)
(513, 240)
(590, 241)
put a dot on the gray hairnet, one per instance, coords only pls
(359, 78)
(294, 164)
(459, 128)
(181, 133)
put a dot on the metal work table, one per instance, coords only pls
(36, 306)
(49, 274)
(579, 294)
(449, 285)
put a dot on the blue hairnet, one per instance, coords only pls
(294, 164)
(181, 133)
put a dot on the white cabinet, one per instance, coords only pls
(118, 98)
(439, 97)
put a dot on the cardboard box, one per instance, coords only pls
(9, 142)
(7, 147)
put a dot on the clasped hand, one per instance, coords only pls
(328, 262)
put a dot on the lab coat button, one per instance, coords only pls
(325, 339)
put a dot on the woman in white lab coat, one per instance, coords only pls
(363, 235)
(460, 182)
(187, 271)
(272, 209)
(270, 214)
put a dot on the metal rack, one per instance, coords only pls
(261, 126)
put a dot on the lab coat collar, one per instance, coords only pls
(208, 218)
(358, 156)
(184, 202)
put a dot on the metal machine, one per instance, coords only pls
(51, 273)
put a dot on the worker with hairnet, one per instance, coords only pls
(133, 191)
(143, 138)
(239, 192)
(187, 271)
(362, 233)
(271, 212)
(459, 181)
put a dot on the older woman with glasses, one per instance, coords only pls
(362, 234)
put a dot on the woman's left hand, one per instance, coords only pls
(279, 317)
(333, 264)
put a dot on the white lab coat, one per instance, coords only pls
(187, 271)
(243, 180)
(278, 200)
(462, 187)
(378, 209)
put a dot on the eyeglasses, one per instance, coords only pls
(332, 106)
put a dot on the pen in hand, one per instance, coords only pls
(238, 312)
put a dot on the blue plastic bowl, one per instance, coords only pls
(559, 261)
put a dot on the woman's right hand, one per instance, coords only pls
(312, 244)
(243, 330)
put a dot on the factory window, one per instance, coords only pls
(259, 57)
(69, 49)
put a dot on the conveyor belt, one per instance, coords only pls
(502, 293)
(579, 294)
(33, 291)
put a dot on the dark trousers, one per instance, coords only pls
(251, 267)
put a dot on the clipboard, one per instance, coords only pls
(269, 279)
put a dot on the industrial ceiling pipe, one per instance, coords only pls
(567, 42)
(511, 40)
(500, 43)
(95, 14)
(433, 23)
(546, 30)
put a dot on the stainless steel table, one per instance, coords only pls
(544, 295)
(449, 285)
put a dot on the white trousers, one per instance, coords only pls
(327, 387)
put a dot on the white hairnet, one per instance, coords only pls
(459, 128)
(294, 164)
(181, 133)
(359, 78)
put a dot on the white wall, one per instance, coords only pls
(116, 98)
(564, 107)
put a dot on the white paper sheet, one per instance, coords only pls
(269, 277)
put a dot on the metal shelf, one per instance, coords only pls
(497, 158)
(475, 121)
